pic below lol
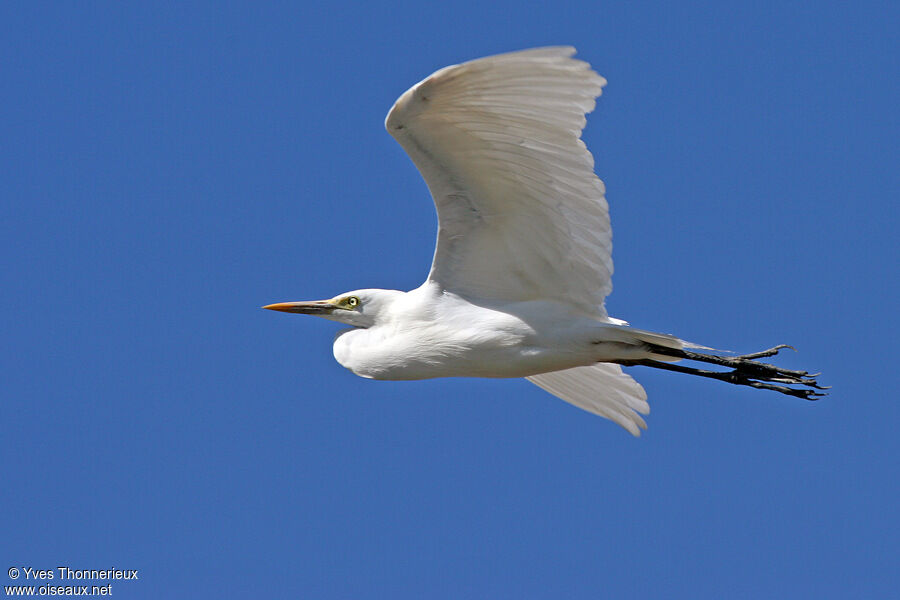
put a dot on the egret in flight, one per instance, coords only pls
(522, 265)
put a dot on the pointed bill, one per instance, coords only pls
(314, 307)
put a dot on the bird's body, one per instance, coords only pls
(429, 332)
(523, 260)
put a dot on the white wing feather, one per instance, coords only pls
(522, 216)
(602, 389)
(521, 213)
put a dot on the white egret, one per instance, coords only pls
(522, 264)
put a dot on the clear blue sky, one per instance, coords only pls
(168, 170)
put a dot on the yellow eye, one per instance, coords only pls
(352, 301)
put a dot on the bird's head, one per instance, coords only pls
(359, 308)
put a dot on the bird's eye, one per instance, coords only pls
(352, 301)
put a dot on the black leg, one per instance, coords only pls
(745, 371)
(745, 364)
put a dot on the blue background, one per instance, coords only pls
(169, 168)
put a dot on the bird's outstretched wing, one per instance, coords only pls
(602, 389)
(522, 214)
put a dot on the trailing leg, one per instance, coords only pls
(745, 370)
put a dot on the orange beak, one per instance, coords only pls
(315, 307)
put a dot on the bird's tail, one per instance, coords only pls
(660, 340)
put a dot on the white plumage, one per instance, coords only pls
(522, 214)
(602, 389)
(523, 260)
